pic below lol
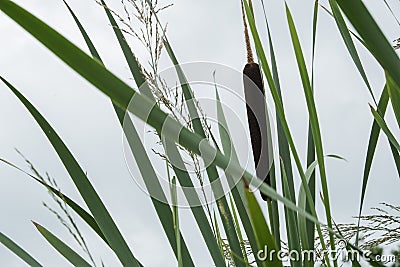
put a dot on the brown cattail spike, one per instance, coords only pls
(257, 121)
(250, 58)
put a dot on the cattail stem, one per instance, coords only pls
(250, 58)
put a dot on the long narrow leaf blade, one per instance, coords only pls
(394, 94)
(382, 124)
(133, 64)
(290, 218)
(373, 36)
(263, 234)
(372, 143)
(310, 226)
(17, 250)
(350, 44)
(62, 248)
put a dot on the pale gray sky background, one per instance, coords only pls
(198, 31)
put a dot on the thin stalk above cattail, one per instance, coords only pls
(256, 112)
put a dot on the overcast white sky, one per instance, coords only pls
(198, 31)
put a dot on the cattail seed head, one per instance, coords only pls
(257, 121)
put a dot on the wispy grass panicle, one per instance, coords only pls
(62, 213)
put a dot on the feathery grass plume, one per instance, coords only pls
(381, 228)
(256, 112)
(377, 231)
(62, 213)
